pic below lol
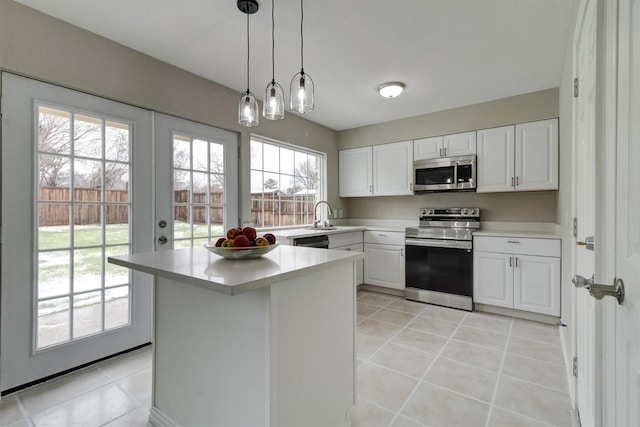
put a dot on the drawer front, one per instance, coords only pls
(384, 237)
(517, 245)
(344, 239)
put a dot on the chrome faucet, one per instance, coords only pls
(315, 214)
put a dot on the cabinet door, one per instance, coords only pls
(496, 159)
(537, 284)
(460, 144)
(428, 148)
(493, 278)
(355, 172)
(393, 169)
(536, 155)
(384, 266)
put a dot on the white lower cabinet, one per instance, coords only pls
(523, 274)
(351, 241)
(384, 259)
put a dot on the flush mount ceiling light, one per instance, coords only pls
(273, 104)
(391, 89)
(248, 107)
(301, 97)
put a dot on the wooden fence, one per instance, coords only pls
(267, 209)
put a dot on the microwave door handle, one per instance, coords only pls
(455, 176)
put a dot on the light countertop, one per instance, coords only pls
(197, 266)
(519, 234)
(295, 233)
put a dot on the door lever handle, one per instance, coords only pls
(599, 291)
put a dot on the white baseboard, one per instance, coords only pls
(568, 363)
(159, 419)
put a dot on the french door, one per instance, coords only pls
(199, 163)
(83, 179)
(74, 192)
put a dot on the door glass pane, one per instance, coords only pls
(84, 207)
(87, 314)
(198, 190)
(116, 307)
(53, 322)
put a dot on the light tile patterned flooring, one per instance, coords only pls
(425, 365)
(418, 365)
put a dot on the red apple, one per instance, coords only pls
(227, 243)
(241, 242)
(261, 241)
(219, 242)
(270, 238)
(234, 232)
(250, 232)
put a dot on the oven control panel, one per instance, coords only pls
(426, 213)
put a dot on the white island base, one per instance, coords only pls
(277, 355)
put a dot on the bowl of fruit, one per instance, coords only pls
(242, 243)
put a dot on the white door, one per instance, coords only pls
(460, 144)
(196, 170)
(627, 316)
(587, 388)
(384, 266)
(72, 195)
(428, 148)
(493, 278)
(537, 155)
(536, 284)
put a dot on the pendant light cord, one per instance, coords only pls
(273, 44)
(247, 52)
(301, 37)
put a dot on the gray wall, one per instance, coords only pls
(509, 207)
(36, 45)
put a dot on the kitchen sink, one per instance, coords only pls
(328, 227)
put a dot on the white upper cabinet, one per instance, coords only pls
(427, 148)
(521, 157)
(381, 170)
(537, 155)
(393, 169)
(495, 167)
(356, 172)
(459, 144)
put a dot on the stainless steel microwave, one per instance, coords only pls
(445, 174)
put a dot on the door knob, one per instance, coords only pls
(589, 243)
(163, 240)
(599, 291)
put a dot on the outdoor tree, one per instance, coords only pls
(271, 184)
(306, 175)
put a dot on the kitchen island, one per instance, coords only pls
(260, 342)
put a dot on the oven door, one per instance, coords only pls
(444, 266)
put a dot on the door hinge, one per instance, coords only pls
(575, 366)
(575, 227)
(576, 87)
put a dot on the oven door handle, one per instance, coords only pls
(457, 244)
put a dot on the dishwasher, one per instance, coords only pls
(312, 242)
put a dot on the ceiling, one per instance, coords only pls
(448, 53)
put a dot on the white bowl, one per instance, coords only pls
(247, 252)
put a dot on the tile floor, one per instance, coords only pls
(418, 365)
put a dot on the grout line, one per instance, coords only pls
(524, 416)
(499, 377)
(537, 384)
(25, 411)
(427, 372)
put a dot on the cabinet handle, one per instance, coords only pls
(371, 189)
(401, 251)
(516, 261)
(517, 181)
(510, 261)
(513, 241)
(512, 182)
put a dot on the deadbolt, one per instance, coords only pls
(589, 243)
(162, 223)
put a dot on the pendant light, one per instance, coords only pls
(248, 108)
(301, 95)
(273, 104)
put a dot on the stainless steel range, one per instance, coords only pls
(439, 257)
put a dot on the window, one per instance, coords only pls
(286, 182)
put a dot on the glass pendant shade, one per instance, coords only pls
(301, 95)
(273, 104)
(248, 110)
